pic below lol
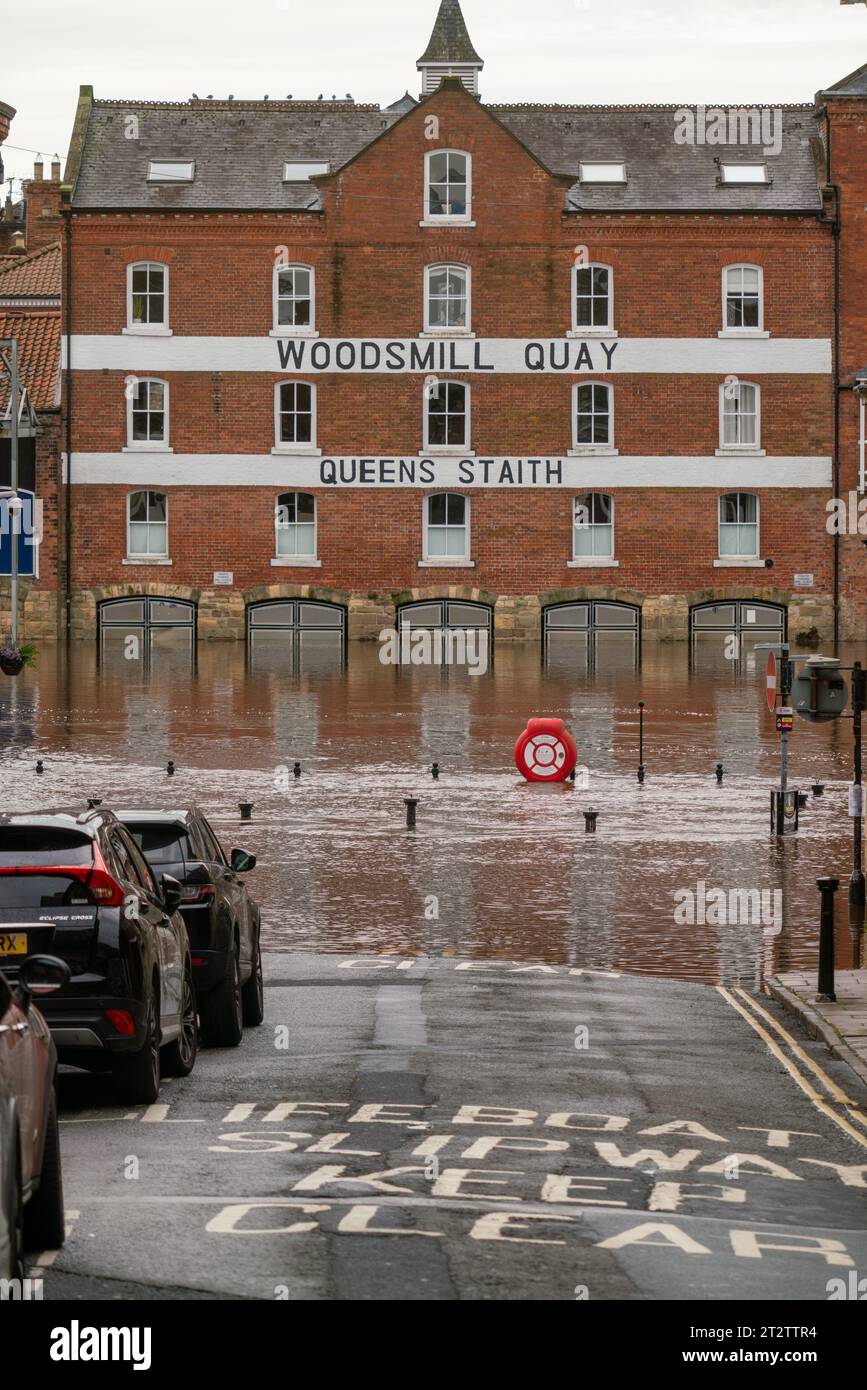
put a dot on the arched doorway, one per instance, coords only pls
(291, 635)
(159, 632)
(592, 635)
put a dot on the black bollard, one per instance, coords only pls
(802, 799)
(411, 804)
(246, 809)
(297, 770)
(827, 887)
(719, 774)
(170, 768)
(40, 767)
(590, 818)
(817, 788)
(435, 772)
(640, 742)
(93, 801)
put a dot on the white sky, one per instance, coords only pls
(721, 52)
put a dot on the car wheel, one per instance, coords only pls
(139, 1073)
(220, 1009)
(179, 1058)
(253, 993)
(44, 1216)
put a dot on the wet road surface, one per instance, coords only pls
(415, 1128)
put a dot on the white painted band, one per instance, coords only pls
(396, 356)
(268, 470)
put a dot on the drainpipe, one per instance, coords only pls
(68, 517)
(837, 387)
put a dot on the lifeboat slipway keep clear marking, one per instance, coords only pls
(545, 755)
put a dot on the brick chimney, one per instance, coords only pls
(42, 199)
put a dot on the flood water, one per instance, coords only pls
(496, 868)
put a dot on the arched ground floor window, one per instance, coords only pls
(450, 618)
(591, 635)
(291, 635)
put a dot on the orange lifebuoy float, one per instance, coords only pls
(546, 751)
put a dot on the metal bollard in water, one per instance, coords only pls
(170, 769)
(827, 887)
(590, 819)
(246, 809)
(93, 801)
(817, 788)
(40, 766)
(411, 804)
(435, 772)
(297, 770)
(719, 774)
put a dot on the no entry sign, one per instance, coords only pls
(771, 679)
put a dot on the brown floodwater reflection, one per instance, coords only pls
(496, 868)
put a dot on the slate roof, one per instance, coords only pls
(854, 85)
(38, 334)
(239, 149)
(663, 175)
(450, 41)
(36, 276)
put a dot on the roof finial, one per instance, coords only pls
(450, 52)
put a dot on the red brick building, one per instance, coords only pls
(581, 366)
(30, 314)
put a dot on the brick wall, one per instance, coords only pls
(369, 253)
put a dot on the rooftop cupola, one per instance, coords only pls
(450, 52)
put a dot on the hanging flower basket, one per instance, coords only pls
(14, 658)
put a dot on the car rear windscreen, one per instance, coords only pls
(162, 844)
(32, 891)
(24, 845)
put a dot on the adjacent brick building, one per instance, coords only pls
(575, 365)
(30, 314)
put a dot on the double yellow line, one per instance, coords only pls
(752, 1011)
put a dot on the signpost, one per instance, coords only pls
(771, 680)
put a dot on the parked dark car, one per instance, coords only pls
(222, 919)
(31, 1180)
(77, 885)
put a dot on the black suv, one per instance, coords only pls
(222, 919)
(76, 885)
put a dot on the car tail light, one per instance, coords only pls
(193, 894)
(95, 879)
(197, 960)
(122, 1021)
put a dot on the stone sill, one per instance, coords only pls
(592, 562)
(593, 333)
(733, 451)
(592, 451)
(142, 331)
(737, 562)
(294, 333)
(296, 451)
(743, 333)
(447, 564)
(296, 562)
(448, 222)
(449, 335)
(146, 560)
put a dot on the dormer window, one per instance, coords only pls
(301, 172)
(743, 173)
(448, 187)
(603, 172)
(171, 170)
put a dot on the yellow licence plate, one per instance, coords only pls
(13, 943)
